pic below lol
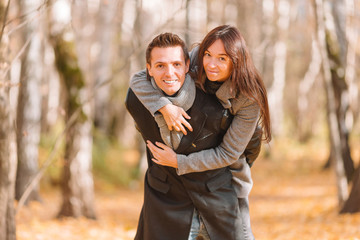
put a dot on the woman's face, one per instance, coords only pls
(217, 64)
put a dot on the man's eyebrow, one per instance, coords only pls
(159, 62)
(162, 62)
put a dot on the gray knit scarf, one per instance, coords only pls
(184, 98)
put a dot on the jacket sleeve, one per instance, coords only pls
(234, 143)
(253, 148)
(152, 98)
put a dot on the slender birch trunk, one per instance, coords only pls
(276, 91)
(29, 102)
(7, 139)
(304, 87)
(77, 181)
(73, 61)
(352, 36)
(331, 105)
(102, 67)
(187, 23)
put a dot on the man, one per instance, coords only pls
(170, 199)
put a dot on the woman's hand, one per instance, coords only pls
(163, 155)
(175, 118)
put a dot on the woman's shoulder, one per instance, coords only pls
(241, 101)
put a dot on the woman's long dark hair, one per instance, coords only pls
(245, 78)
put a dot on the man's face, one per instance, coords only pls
(168, 68)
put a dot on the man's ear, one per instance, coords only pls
(149, 69)
(187, 65)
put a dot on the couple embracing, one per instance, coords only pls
(198, 180)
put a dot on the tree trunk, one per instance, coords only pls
(7, 142)
(51, 88)
(222, 11)
(249, 23)
(77, 185)
(187, 23)
(352, 204)
(304, 125)
(331, 105)
(29, 104)
(342, 105)
(138, 32)
(215, 13)
(350, 72)
(7, 167)
(102, 65)
(268, 34)
(51, 96)
(337, 51)
(208, 14)
(276, 91)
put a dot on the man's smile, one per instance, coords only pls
(170, 81)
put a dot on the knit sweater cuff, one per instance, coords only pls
(158, 104)
(180, 161)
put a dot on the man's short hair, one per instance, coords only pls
(165, 40)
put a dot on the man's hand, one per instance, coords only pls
(175, 118)
(163, 155)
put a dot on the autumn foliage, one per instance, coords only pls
(292, 198)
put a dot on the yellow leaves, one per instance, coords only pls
(117, 219)
(295, 199)
(292, 199)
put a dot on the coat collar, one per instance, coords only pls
(225, 93)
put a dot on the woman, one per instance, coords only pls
(225, 68)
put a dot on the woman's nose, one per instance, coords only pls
(212, 63)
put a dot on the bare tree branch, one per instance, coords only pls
(44, 4)
(4, 19)
(23, 24)
(18, 55)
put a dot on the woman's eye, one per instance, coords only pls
(222, 59)
(207, 54)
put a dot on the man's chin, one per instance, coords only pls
(171, 92)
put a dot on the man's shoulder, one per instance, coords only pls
(130, 98)
(133, 104)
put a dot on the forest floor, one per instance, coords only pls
(292, 198)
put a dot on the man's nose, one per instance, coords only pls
(170, 71)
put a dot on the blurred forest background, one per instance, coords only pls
(69, 149)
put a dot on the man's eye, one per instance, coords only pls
(159, 66)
